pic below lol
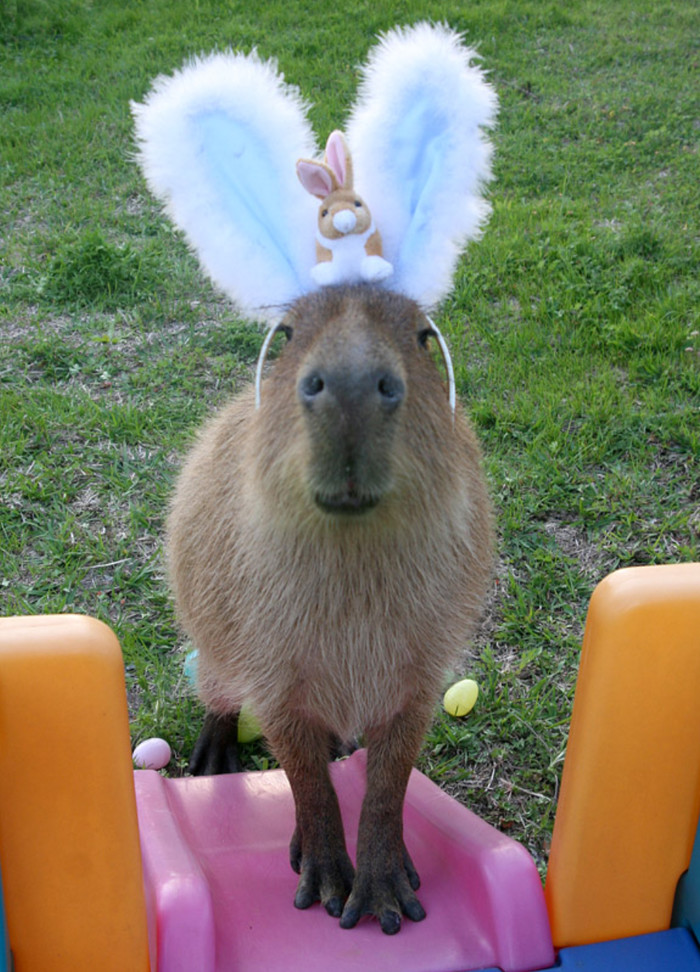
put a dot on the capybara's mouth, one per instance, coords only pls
(348, 502)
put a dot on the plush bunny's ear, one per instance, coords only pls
(338, 158)
(218, 143)
(316, 177)
(420, 153)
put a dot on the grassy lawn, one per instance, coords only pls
(574, 324)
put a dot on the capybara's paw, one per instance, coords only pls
(324, 877)
(385, 895)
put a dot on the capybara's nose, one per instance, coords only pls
(350, 392)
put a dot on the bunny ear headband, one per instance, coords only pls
(226, 144)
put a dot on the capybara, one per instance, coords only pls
(329, 551)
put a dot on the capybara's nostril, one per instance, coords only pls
(391, 389)
(310, 387)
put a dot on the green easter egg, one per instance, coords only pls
(248, 728)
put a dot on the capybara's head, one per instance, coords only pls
(355, 411)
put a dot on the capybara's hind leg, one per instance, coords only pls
(216, 749)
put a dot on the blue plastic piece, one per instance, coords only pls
(5, 956)
(686, 907)
(667, 951)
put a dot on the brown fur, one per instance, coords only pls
(327, 623)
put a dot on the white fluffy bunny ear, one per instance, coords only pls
(420, 153)
(218, 143)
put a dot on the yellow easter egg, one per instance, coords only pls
(460, 698)
(248, 728)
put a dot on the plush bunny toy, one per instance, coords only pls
(348, 244)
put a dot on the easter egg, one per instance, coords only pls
(190, 667)
(460, 698)
(248, 728)
(152, 754)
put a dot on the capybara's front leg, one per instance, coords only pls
(317, 850)
(386, 880)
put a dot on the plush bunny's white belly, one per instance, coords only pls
(350, 263)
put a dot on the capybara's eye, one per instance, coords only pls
(358, 203)
(324, 213)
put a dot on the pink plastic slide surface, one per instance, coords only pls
(219, 886)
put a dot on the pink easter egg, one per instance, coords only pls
(152, 754)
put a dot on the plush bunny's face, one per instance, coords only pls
(341, 213)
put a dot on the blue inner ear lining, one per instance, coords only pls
(241, 168)
(418, 149)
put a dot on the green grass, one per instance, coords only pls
(574, 324)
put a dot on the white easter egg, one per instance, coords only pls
(460, 698)
(152, 753)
